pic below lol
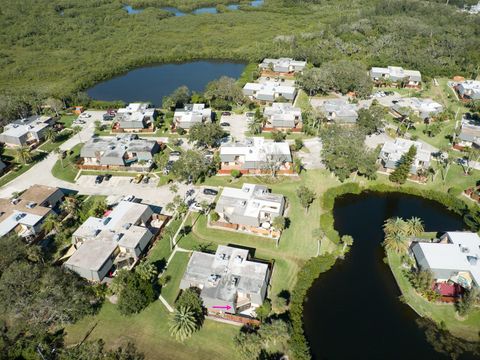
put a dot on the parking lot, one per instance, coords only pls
(238, 125)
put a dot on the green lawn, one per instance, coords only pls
(302, 101)
(67, 120)
(62, 136)
(17, 168)
(66, 169)
(467, 328)
(175, 271)
(149, 330)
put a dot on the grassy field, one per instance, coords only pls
(65, 169)
(175, 271)
(18, 169)
(467, 328)
(149, 330)
(62, 136)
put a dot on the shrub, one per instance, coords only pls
(235, 173)
(180, 131)
(214, 217)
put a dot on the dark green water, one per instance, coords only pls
(353, 310)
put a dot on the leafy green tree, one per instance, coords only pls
(279, 223)
(264, 310)
(23, 155)
(50, 223)
(306, 196)
(183, 323)
(344, 152)
(235, 173)
(192, 164)
(208, 134)
(55, 104)
(225, 89)
(95, 350)
(136, 294)
(371, 120)
(298, 165)
(468, 300)
(278, 136)
(214, 217)
(274, 333)
(248, 345)
(400, 174)
(177, 99)
(423, 280)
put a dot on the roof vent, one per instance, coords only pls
(117, 236)
(20, 216)
(238, 259)
(127, 226)
(31, 205)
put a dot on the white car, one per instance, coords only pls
(196, 207)
(84, 115)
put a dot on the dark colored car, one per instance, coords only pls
(226, 113)
(99, 179)
(107, 177)
(108, 117)
(208, 191)
(225, 124)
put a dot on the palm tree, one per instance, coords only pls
(146, 271)
(318, 234)
(71, 206)
(255, 126)
(347, 240)
(414, 226)
(183, 324)
(169, 233)
(23, 155)
(394, 226)
(50, 223)
(396, 242)
(51, 135)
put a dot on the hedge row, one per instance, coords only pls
(306, 276)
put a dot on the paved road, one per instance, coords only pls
(312, 158)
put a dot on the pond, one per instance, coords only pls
(130, 10)
(353, 310)
(205, 10)
(152, 83)
(210, 10)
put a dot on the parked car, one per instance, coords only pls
(208, 191)
(175, 153)
(78, 122)
(226, 113)
(107, 177)
(84, 115)
(108, 117)
(225, 124)
(99, 179)
(196, 207)
(138, 178)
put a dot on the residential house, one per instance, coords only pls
(282, 116)
(392, 152)
(26, 132)
(228, 280)
(256, 156)
(269, 91)
(117, 240)
(121, 152)
(396, 76)
(454, 258)
(339, 111)
(469, 134)
(469, 89)
(251, 208)
(190, 115)
(136, 117)
(25, 214)
(282, 65)
(423, 108)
